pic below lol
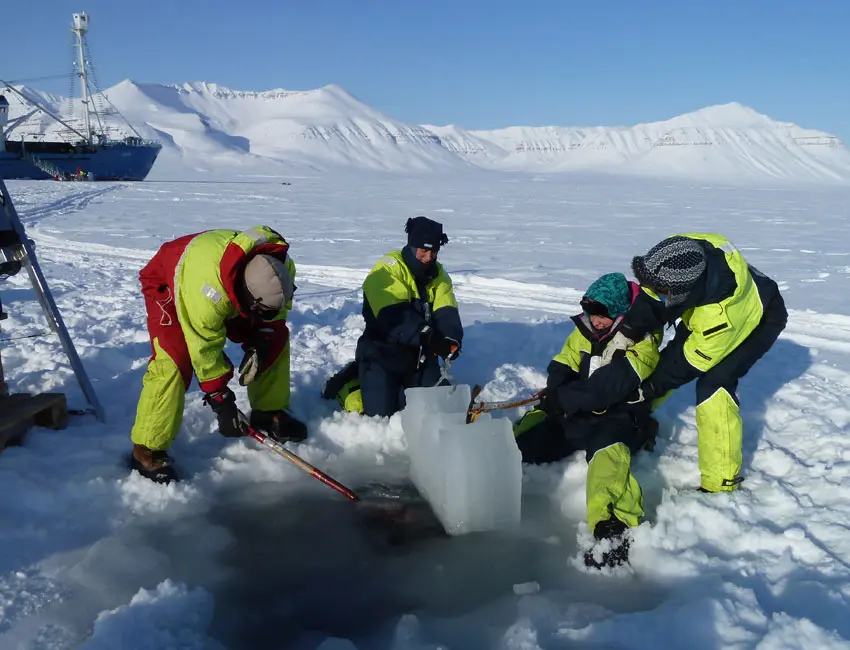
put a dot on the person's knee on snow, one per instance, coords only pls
(380, 389)
(540, 439)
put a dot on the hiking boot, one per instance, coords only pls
(612, 547)
(153, 464)
(280, 425)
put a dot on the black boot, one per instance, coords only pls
(612, 549)
(280, 425)
(152, 464)
(348, 372)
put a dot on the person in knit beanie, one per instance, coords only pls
(593, 404)
(730, 314)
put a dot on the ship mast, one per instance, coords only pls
(81, 26)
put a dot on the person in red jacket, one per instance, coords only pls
(201, 290)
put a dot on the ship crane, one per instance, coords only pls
(94, 155)
(79, 29)
(38, 107)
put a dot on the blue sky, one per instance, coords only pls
(469, 62)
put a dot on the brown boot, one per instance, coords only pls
(153, 464)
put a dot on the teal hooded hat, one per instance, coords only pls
(609, 296)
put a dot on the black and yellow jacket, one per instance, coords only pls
(398, 305)
(582, 383)
(720, 313)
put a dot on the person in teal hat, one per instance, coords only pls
(592, 402)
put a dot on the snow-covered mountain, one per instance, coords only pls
(718, 141)
(329, 127)
(319, 127)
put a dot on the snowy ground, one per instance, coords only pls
(251, 553)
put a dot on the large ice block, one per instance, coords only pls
(471, 474)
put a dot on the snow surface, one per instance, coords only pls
(205, 125)
(249, 552)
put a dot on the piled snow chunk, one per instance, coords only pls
(170, 616)
(471, 474)
(526, 588)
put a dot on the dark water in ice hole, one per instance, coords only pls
(297, 570)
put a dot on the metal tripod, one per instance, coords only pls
(21, 249)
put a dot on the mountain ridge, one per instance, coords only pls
(329, 127)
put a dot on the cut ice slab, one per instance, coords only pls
(471, 474)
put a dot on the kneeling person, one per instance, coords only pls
(411, 319)
(592, 403)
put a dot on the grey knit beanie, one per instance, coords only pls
(672, 266)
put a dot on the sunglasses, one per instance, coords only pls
(262, 311)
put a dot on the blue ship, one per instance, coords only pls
(130, 159)
(92, 155)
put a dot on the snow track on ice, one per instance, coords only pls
(804, 327)
(493, 292)
(31, 215)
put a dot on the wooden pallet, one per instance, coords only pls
(20, 412)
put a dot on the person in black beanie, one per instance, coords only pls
(411, 319)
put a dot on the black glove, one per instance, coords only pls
(544, 396)
(223, 404)
(10, 268)
(649, 390)
(552, 405)
(445, 347)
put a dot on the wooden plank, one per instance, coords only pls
(20, 412)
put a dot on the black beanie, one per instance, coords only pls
(422, 232)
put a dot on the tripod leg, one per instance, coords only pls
(26, 255)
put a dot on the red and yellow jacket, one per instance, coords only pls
(201, 271)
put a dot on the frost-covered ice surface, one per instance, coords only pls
(249, 552)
